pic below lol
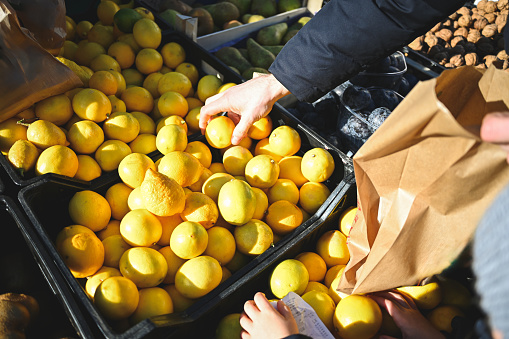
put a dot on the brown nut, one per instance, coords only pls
(454, 16)
(490, 30)
(436, 27)
(500, 22)
(465, 21)
(482, 4)
(489, 59)
(431, 40)
(445, 34)
(457, 40)
(473, 36)
(476, 16)
(491, 6)
(480, 23)
(455, 25)
(447, 23)
(502, 4)
(458, 49)
(491, 17)
(462, 31)
(502, 55)
(449, 65)
(464, 11)
(417, 44)
(457, 60)
(471, 59)
(435, 50)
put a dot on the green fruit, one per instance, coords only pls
(125, 18)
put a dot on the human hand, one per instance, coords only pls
(406, 315)
(495, 129)
(245, 103)
(261, 320)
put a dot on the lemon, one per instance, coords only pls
(116, 298)
(121, 83)
(262, 171)
(283, 189)
(144, 143)
(323, 305)
(208, 86)
(173, 54)
(109, 154)
(139, 99)
(144, 12)
(57, 159)
(283, 217)
(161, 194)
(219, 131)
(181, 166)
(23, 156)
(442, 316)
(44, 134)
(132, 77)
(87, 52)
(82, 253)
(69, 231)
(122, 53)
(135, 200)
(226, 273)
(253, 237)
(262, 203)
(333, 273)
(214, 183)
(201, 152)
(180, 303)
(147, 33)
(144, 266)
(133, 167)
(172, 103)
(357, 316)
(284, 141)
(316, 286)
(221, 245)
(198, 276)
(56, 109)
(112, 228)
(88, 168)
(347, 219)
(140, 228)
(104, 81)
(260, 129)
(217, 167)
(224, 87)
(315, 265)
(289, 168)
(105, 12)
(312, 196)
(317, 165)
(153, 301)
(10, 132)
(104, 62)
(235, 159)
(171, 138)
(193, 117)
(151, 82)
(189, 240)
(238, 261)
(200, 208)
(331, 246)
(85, 136)
(121, 126)
(174, 262)
(97, 278)
(103, 35)
(333, 289)
(175, 82)
(90, 209)
(117, 105)
(147, 124)
(190, 71)
(114, 247)
(117, 196)
(290, 275)
(148, 60)
(128, 38)
(70, 48)
(263, 147)
(171, 120)
(236, 202)
(91, 104)
(229, 327)
(82, 28)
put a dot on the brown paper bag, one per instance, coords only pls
(28, 72)
(424, 181)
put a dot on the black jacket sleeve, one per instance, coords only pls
(347, 35)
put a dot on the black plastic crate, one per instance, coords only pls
(28, 269)
(46, 204)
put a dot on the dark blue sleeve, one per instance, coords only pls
(346, 35)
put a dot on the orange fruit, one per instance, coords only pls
(289, 168)
(122, 53)
(315, 265)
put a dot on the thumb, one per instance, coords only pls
(284, 310)
(241, 130)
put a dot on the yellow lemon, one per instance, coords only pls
(200, 151)
(289, 168)
(171, 120)
(221, 245)
(144, 266)
(148, 60)
(180, 303)
(116, 298)
(87, 52)
(323, 305)
(109, 154)
(153, 301)
(253, 237)
(101, 34)
(171, 138)
(315, 265)
(82, 253)
(238, 261)
(229, 327)
(347, 219)
(137, 98)
(312, 196)
(105, 12)
(168, 223)
(143, 143)
(214, 183)
(91, 104)
(121, 84)
(57, 159)
(122, 53)
(101, 275)
(198, 276)
(117, 196)
(90, 209)
(192, 118)
(69, 231)
(181, 166)
(147, 33)
(263, 147)
(147, 124)
(284, 141)
(104, 81)
(128, 38)
(23, 156)
(283, 217)
(194, 102)
(190, 71)
(262, 171)
(121, 126)
(135, 200)
(290, 275)
(10, 131)
(151, 82)
(236, 202)
(333, 273)
(262, 203)
(173, 54)
(208, 86)
(224, 87)
(226, 273)
(441, 317)
(260, 129)
(144, 12)
(172, 103)
(316, 286)
(88, 168)
(44, 134)
(317, 165)
(189, 240)
(140, 228)
(133, 167)
(331, 246)
(104, 62)
(174, 262)
(112, 228)
(162, 195)
(283, 189)
(132, 77)
(85, 136)
(200, 208)
(82, 28)
(358, 317)
(217, 167)
(56, 109)
(235, 159)
(219, 131)
(333, 289)
(117, 105)
(175, 82)
(70, 48)
(114, 247)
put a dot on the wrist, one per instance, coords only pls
(275, 87)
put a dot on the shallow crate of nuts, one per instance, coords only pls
(470, 36)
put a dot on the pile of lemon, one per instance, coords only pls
(134, 84)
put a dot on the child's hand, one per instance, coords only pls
(406, 315)
(495, 129)
(261, 320)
